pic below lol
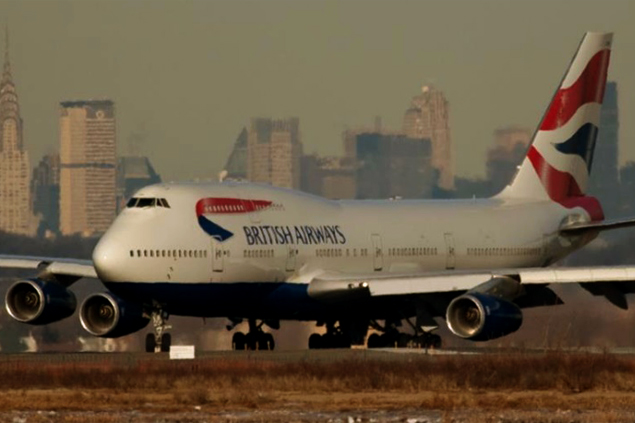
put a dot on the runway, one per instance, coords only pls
(295, 356)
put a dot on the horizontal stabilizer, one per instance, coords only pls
(581, 228)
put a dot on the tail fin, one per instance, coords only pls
(558, 162)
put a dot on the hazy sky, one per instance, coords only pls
(188, 75)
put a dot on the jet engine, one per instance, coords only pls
(481, 317)
(39, 302)
(108, 316)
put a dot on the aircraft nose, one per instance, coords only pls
(107, 258)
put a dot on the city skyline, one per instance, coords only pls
(188, 76)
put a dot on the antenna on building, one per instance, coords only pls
(7, 64)
(222, 175)
(378, 124)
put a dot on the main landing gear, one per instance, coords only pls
(255, 339)
(354, 333)
(159, 341)
(392, 338)
(335, 337)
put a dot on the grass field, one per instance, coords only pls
(549, 387)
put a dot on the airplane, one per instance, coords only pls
(261, 254)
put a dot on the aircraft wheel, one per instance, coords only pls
(387, 341)
(238, 341)
(403, 340)
(150, 343)
(315, 341)
(251, 341)
(342, 341)
(373, 341)
(270, 342)
(166, 341)
(263, 341)
(435, 341)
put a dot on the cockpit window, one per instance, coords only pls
(147, 202)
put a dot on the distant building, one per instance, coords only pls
(428, 118)
(330, 177)
(88, 202)
(627, 188)
(236, 165)
(46, 194)
(604, 181)
(274, 151)
(16, 212)
(510, 148)
(133, 173)
(390, 165)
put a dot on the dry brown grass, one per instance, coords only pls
(521, 381)
(518, 371)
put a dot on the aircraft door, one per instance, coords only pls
(378, 255)
(450, 261)
(217, 256)
(291, 257)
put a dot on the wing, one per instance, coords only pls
(64, 270)
(612, 282)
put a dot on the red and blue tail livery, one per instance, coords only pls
(559, 160)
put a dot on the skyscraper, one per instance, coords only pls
(133, 173)
(16, 213)
(87, 166)
(604, 180)
(46, 194)
(393, 165)
(330, 177)
(274, 151)
(510, 147)
(428, 118)
(236, 165)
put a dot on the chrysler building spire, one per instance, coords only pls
(6, 73)
(16, 214)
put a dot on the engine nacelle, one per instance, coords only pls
(481, 317)
(39, 302)
(108, 316)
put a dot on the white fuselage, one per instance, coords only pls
(298, 237)
(399, 236)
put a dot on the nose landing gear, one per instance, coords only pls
(159, 341)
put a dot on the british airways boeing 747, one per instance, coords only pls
(263, 255)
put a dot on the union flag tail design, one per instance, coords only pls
(559, 160)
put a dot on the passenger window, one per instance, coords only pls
(174, 253)
(190, 253)
(151, 253)
(162, 253)
(195, 254)
(145, 253)
(205, 253)
(131, 253)
(138, 253)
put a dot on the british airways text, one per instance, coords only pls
(272, 235)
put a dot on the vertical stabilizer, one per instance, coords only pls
(559, 160)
